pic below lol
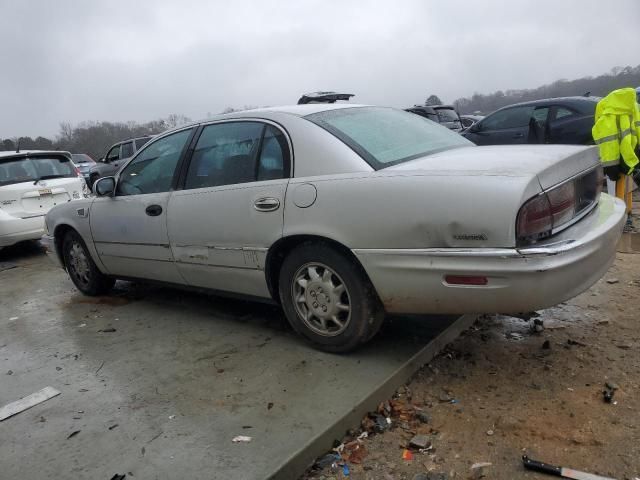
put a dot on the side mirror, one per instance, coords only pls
(105, 187)
(475, 127)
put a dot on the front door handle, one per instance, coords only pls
(518, 135)
(153, 210)
(266, 204)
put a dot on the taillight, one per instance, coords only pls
(563, 203)
(535, 220)
(541, 216)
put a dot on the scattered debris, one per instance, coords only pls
(241, 439)
(171, 417)
(107, 330)
(479, 470)
(424, 417)
(269, 405)
(82, 325)
(345, 470)
(420, 441)
(514, 336)
(27, 402)
(10, 372)
(612, 281)
(571, 341)
(117, 476)
(407, 454)
(73, 434)
(538, 325)
(113, 426)
(100, 367)
(546, 345)
(327, 460)
(354, 452)
(13, 319)
(490, 432)
(559, 471)
(608, 392)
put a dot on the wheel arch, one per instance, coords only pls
(279, 250)
(58, 238)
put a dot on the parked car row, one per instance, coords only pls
(31, 183)
(375, 211)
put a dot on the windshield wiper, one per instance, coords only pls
(48, 177)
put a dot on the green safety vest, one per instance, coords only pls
(617, 129)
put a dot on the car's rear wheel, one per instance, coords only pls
(328, 299)
(81, 267)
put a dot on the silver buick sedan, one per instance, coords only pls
(341, 213)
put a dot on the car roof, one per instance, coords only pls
(542, 101)
(33, 153)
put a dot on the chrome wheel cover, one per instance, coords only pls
(321, 299)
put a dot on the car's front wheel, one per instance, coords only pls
(81, 268)
(328, 299)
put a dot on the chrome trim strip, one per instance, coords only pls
(441, 252)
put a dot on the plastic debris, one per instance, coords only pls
(479, 470)
(345, 470)
(327, 460)
(73, 434)
(27, 402)
(612, 281)
(117, 476)
(241, 439)
(420, 441)
(107, 330)
(407, 454)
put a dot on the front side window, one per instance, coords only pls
(126, 150)
(386, 136)
(30, 169)
(509, 118)
(113, 155)
(237, 152)
(563, 113)
(153, 169)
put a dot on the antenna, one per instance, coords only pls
(18, 146)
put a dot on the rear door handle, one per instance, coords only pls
(153, 210)
(266, 204)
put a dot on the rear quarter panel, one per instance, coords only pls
(410, 210)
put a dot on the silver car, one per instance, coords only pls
(341, 213)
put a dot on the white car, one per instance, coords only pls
(344, 212)
(31, 183)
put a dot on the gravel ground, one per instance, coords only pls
(503, 390)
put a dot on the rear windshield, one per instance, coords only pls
(447, 115)
(386, 136)
(79, 158)
(30, 169)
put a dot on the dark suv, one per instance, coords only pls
(117, 155)
(443, 114)
(565, 120)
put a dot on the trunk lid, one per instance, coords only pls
(551, 164)
(25, 199)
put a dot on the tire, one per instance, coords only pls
(81, 268)
(328, 298)
(92, 180)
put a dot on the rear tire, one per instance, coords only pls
(328, 299)
(81, 268)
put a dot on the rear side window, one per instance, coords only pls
(34, 168)
(237, 152)
(127, 150)
(509, 118)
(140, 142)
(447, 115)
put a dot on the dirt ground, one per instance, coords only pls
(503, 390)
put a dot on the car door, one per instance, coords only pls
(129, 229)
(565, 126)
(504, 127)
(230, 210)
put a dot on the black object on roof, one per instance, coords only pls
(324, 97)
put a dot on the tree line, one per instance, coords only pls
(93, 138)
(599, 86)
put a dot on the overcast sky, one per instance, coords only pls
(136, 60)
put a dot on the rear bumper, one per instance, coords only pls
(14, 230)
(519, 280)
